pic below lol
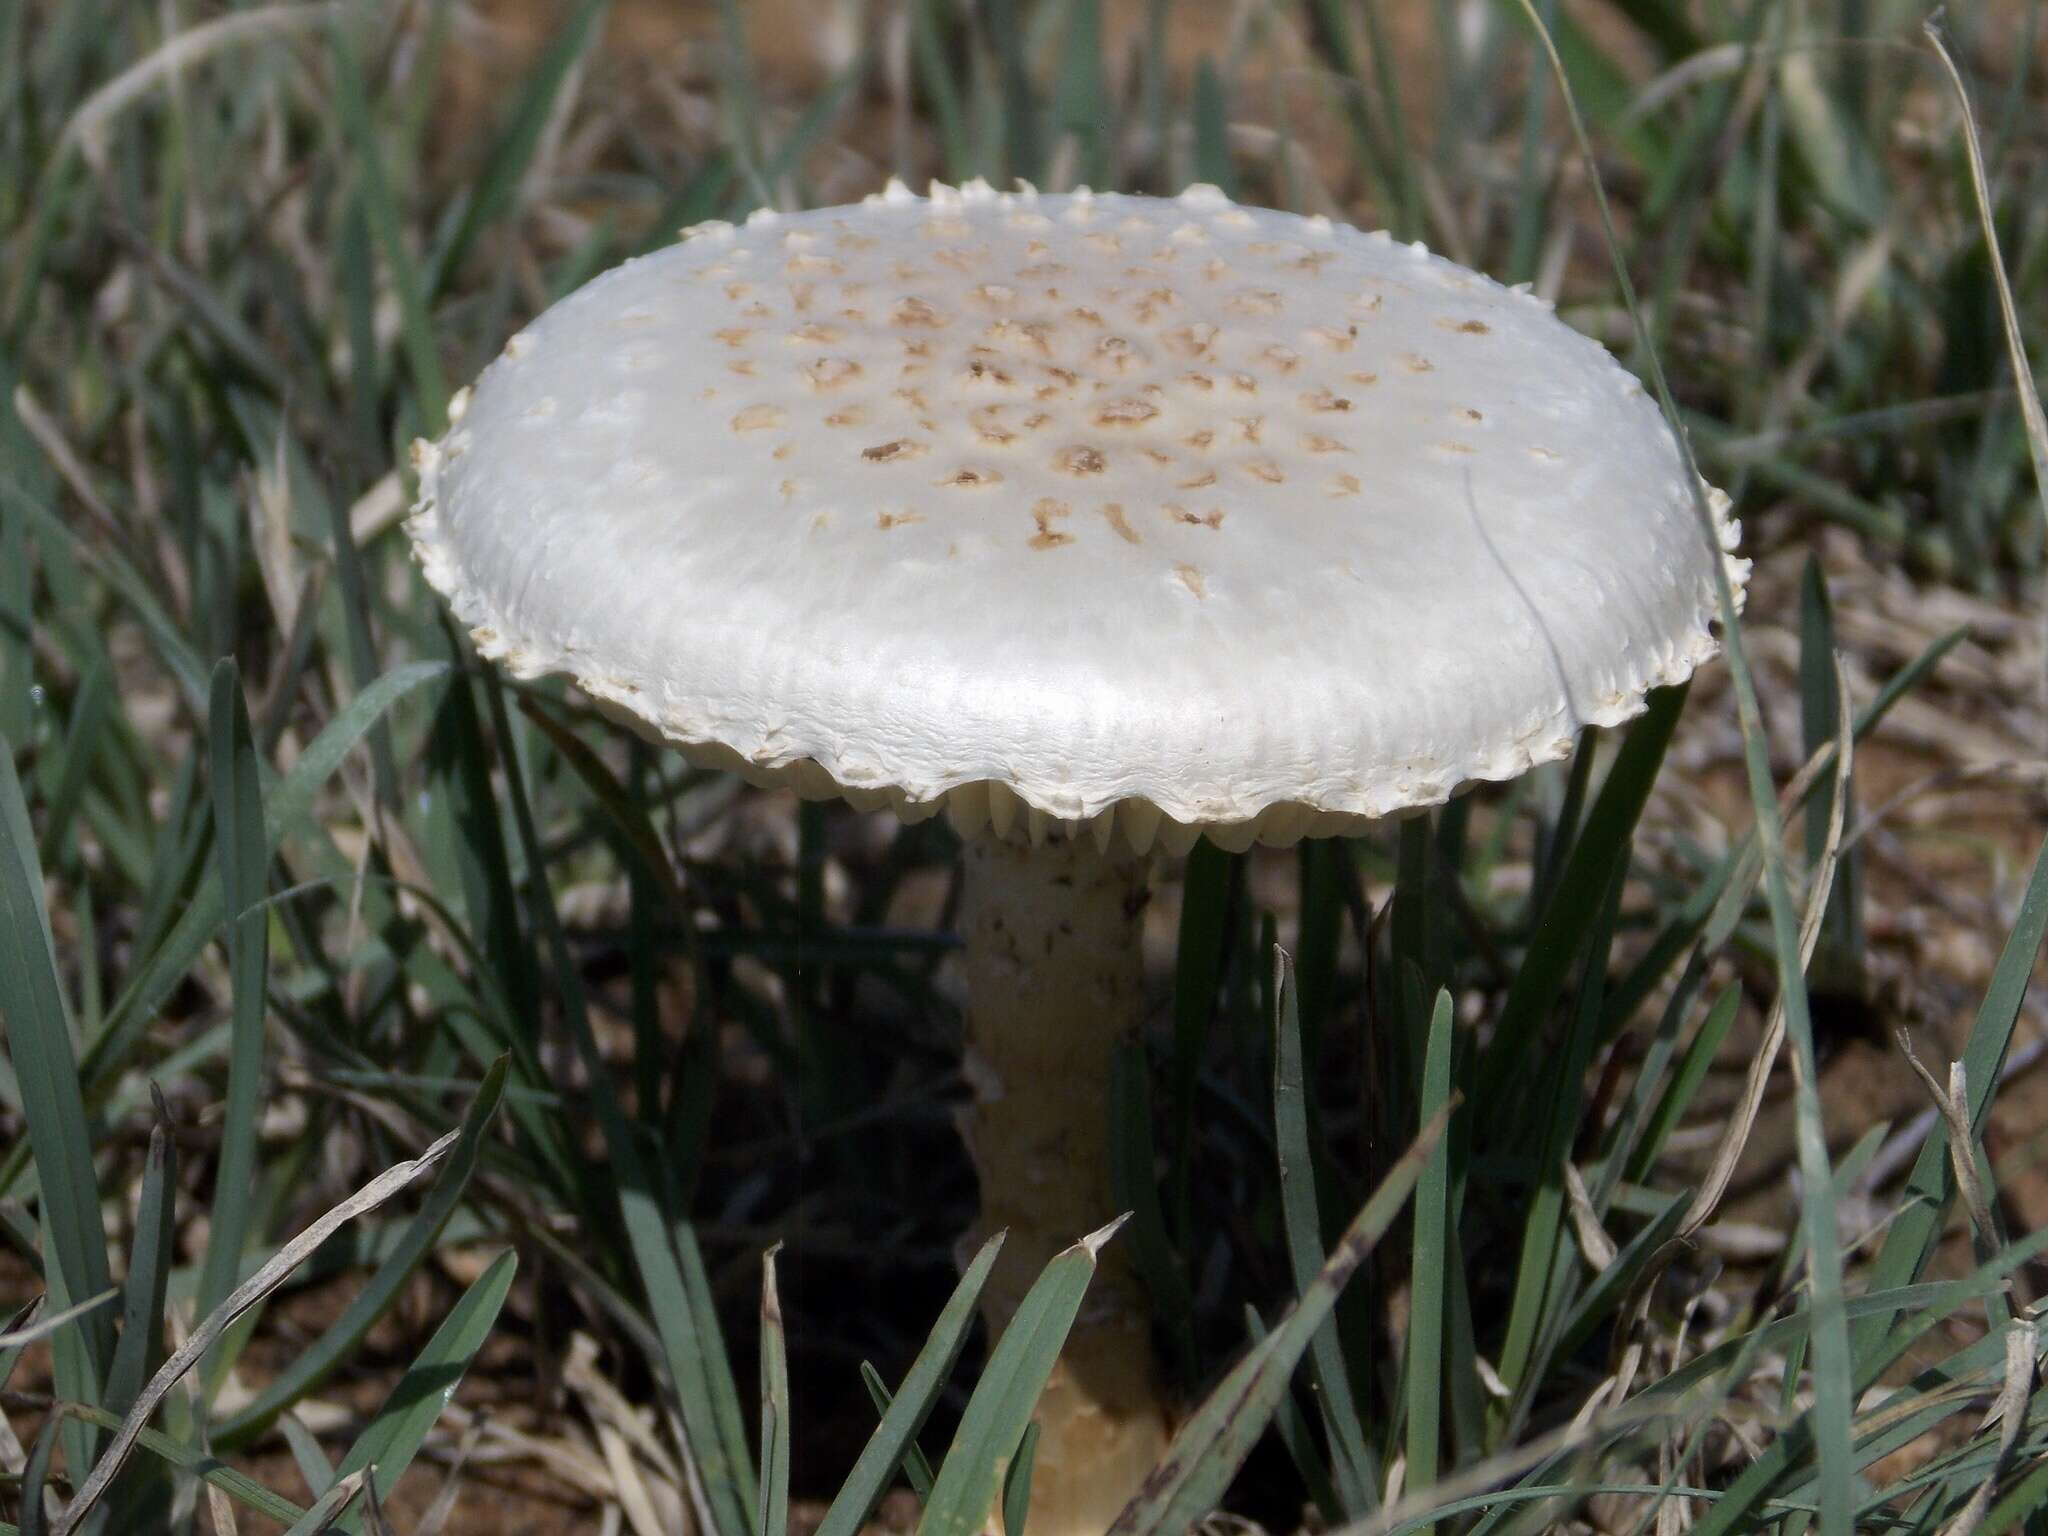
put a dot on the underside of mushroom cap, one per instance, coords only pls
(1158, 517)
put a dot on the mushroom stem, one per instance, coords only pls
(1054, 979)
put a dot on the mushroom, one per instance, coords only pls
(1097, 524)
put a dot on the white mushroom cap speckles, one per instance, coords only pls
(1170, 516)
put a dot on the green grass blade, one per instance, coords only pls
(1208, 895)
(238, 1486)
(292, 798)
(1017, 1483)
(1833, 1362)
(90, 711)
(916, 1470)
(35, 1477)
(459, 759)
(242, 860)
(1611, 1285)
(380, 203)
(1427, 1278)
(1212, 1442)
(1291, 1425)
(1351, 1460)
(329, 1507)
(1135, 1189)
(10, 1354)
(286, 805)
(1019, 111)
(964, 1493)
(690, 1344)
(39, 1042)
(17, 653)
(1923, 1206)
(1838, 958)
(775, 1422)
(149, 1269)
(935, 73)
(1535, 1292)
(1079, 111)
(496, 187)
(311, 1365)
(73, 1370)
(894, 1441)
(1678, 1096)
(1211, 112)
(395, 1435)
(313, 1463)
(1574, 906)
(56, 1322)
(721, 1391)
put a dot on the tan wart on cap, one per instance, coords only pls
(1098, 521)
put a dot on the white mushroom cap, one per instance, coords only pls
(1171, 516)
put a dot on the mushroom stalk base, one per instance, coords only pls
(1054, 979)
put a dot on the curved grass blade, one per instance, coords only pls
(894, 1441)
(394, 1437)
(175, 1453)
(132, 1427)
(991, 1429)
(310, 1366)
(242, 857)
(1214, 1441)
(35, 1477)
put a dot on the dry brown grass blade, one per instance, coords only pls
(43, 1327)
(241, 1299)
(1729, 1152)
(86, 132)
(1952, 1104)
(1594, 1242)
(436, 1517)
(645, 1482)
(2015, 340)
(2021, 1345)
